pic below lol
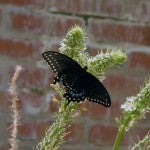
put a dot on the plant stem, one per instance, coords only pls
(121, 131)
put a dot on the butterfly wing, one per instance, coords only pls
(94, 89)
(66, 72)
(78, 83)
(97, 92)
(63, 66)
(59, 62)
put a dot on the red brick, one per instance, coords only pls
(145, 120)
(33, 130)
(59, 25)
(97, 111)
(42, 128)
(76, 135)
(122, 85)
(111, 8)
(4, 101)
(114, 32)
(53, 107)
(34, 104)
(27, 145)
(26, 22)
(115, 110)
(132, 86)
(115, 82)
(33, 77)
(0, 16)
(34, 3)
(88, 7)
(74, 6)
(1, 77)
(55, 46)
(34, 100)
(27, 130)
(142, 11)
(18, 48)
(140, 59)
(3, 146)
(102, 135)
(138, 133)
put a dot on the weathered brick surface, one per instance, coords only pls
(35, 3)
(18, 48)
(26, 22)
(104, 8)
(33, 77)
(74, 6)
(0, 16)
(102, 135)
(30, 27)
(140, 60)
(59, 25)
(118, 32)
(4, 101)
(76, 135)
(119, 83)
(41, 126)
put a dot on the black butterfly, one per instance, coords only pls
(78, 83)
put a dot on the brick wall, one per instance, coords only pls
(27, 27)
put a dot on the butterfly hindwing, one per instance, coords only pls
(97, 92)
(94, 89)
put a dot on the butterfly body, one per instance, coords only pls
(78, 83)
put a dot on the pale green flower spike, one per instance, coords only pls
(74, 46)
(134, 109)
(54, 136)
(99, 64)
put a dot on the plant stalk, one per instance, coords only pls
(120, 134)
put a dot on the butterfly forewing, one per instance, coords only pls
(60, 63)
(64, 67)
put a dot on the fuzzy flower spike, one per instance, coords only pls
(134, 109)
(137, 106)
